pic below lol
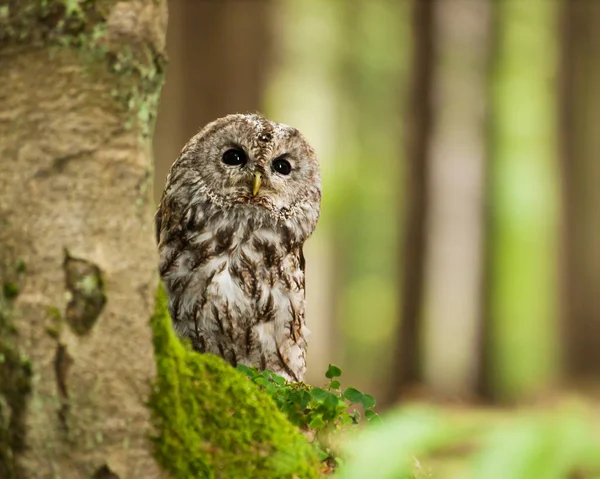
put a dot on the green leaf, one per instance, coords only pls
(373, 417)
(334, 385)
(333, 372)
(341, 407)
(303, 399)
(376, 419)
(353, 395)
(261, 381)
(316, 422)
(323, 454)
(369, 414)
(319, 394)
(368, 401)
(277, 379)
(331, 402)
(250, 372)
(346, 419)
(271, 388)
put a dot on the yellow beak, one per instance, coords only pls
(256, 183)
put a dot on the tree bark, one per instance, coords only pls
(581, 175)
(80, 81)
(455, 226)
(408, 355)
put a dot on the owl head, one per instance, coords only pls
(247, 164)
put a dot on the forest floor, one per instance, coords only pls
(559, 431)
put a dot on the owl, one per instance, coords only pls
(239, 203)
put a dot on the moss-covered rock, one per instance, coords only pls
(211, 422)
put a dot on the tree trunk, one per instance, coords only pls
(408, 342)
(457, 158)
(80, 81)
(581, 177)
(523, 201)
(78, 270)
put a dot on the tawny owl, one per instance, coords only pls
(239, 203)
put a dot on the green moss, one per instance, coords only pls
(21, 267)
(15, 386)
(54, 322)
(41, 22)
(211, 422)
(86, 293)
(11, 290)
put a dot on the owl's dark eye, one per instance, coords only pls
(234, 157)
(281, 166)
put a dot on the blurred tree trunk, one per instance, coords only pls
(456, 158)
(522, 300)
(80, 83)
(408, 356)
(581, 173)
(219, 58)
(371, 68)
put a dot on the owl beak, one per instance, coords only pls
(256, 183)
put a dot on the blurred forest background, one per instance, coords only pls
(458, 253)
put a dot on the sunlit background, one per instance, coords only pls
(458, 252)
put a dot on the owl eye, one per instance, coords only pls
(234, 157)
(281, 166)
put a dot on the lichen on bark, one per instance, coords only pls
(211, 422)
(87, 298)
(127, 36)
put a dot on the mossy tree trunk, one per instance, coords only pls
(80, 80)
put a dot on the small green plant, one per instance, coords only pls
(317, 410)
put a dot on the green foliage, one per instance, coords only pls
(317, 410)
(333, 372)
(388, 449)
(529, 445)
(541, 446)
(211, 423)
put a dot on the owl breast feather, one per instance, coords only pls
(236, 289)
